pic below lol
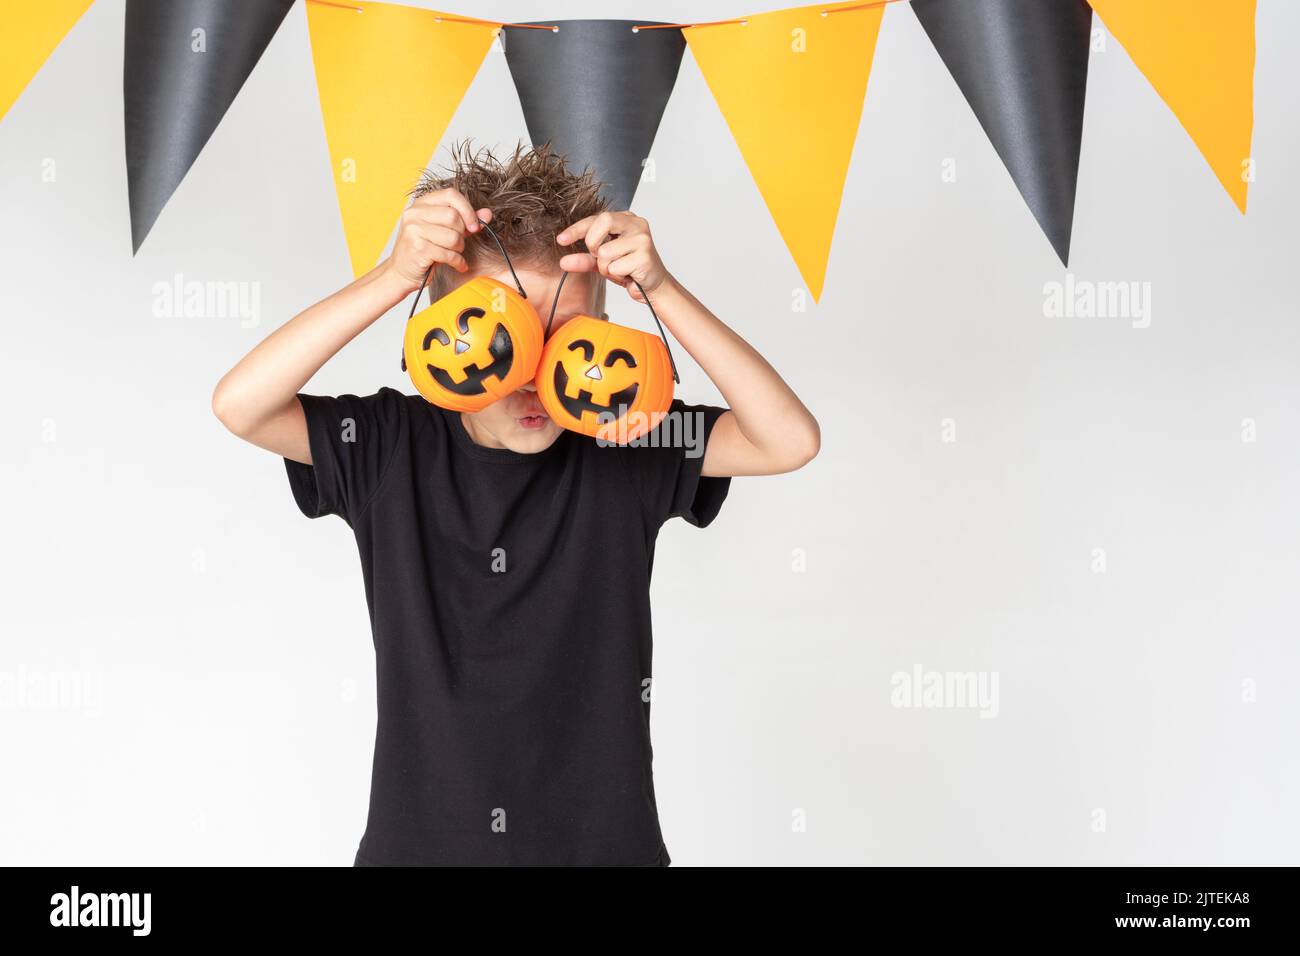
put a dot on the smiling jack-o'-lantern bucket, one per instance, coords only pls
(605, 380)
(475, 345)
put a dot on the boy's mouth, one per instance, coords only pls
(528, 410)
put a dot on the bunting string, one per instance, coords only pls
(790, 88)
(456, 18)
(744, 21)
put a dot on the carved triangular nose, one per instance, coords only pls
(461, 346)
(594, 372)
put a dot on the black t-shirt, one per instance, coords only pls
(510, 610)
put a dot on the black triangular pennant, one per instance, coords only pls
(596, 91)
(1023, 67)
(177, 84)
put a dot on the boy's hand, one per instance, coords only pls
(619, 247)
(433, 230)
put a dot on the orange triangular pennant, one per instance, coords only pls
(1200, 57)
(30, 34)
(390, 78)
(791, 86)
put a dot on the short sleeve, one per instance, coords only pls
(665, 465)
(354, 440)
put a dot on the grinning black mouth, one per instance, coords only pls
(502, 350)
(618, 405)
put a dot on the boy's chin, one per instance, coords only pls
(530, 439)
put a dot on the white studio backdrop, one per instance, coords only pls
(1096, 516)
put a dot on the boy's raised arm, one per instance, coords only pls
(767, 430)
(258, 398)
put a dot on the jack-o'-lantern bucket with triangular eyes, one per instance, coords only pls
(605, 380)
(475, 345)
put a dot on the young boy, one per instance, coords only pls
(507, 561)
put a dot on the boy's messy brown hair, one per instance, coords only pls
(533, 195)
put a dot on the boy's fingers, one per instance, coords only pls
(452, 239)
(438, 234)
(614, 248)
(622, 268)
(574, 231)
(449, 257)
(606, 223)
(438, 215)
(454, 199)
(601, 228)
(613, 225)
(594, 230)
(578, 262)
